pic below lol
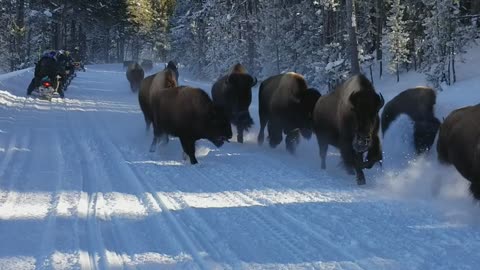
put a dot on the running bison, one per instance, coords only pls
(459, 144)
(286, 105)
(188, 113)
(418, 104)
(135, 76)
(161, 80)
(171, 65)
(233, 92)
(347, 118)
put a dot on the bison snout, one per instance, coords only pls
(362, 143)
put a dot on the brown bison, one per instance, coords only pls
(418, 104)
(347, 118)
(188, 113)
(459, 144)
(286, 105)
(233, 92)
(161, 80)
(135, 76)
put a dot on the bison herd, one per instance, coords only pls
(346, 118)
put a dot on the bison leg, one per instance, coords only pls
(475, 190)
(240, 134)
(354, 160)
(157, 134)
(154, 144)
(374, 154)
(148, 122)
(323, 147)
(291, 140)
(274, 134)
(263, 123)
(188, 146)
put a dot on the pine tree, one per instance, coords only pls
(397, 38)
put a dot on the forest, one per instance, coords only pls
(322, 39)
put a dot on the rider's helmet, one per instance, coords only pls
(52, 54)
(60, 52)
(77, 48)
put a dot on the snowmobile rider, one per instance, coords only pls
(77, 57)
(45, 67)
(69, 61)
(62, 63)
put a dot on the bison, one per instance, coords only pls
(286, 105)
(135, 76)
(347, 118)
(188, 113)
(171, 65)
(158, 81)
(459, 144)
(418, 104)
(233, 92)
(147, 65)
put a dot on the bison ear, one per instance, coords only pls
(382, 101)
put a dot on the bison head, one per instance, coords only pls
(170, 79)
(424, 134)
(219, 129)
(239, 97)
(365, 106)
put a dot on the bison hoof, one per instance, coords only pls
(361, 182)
(260, 140)
(193, 161)
(240, 139)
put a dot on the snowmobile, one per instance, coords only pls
(46, 91)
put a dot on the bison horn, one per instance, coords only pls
(382, 101)
(254, 81)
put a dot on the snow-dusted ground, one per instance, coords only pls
(79, 190)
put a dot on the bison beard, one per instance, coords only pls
(233, 92)
(459, 144)
(188, 113)
(347, 118)
(286, 105)
(135, 76)
(418, 103)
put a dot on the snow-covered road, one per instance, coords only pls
(79, 190)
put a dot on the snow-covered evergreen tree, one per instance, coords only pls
(397, 38)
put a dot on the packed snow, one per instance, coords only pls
(79, 190)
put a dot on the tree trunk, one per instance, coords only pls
(20, 32)
(379, 7)
(277, 40)
(453, 66)
(398, 73)
(250, 35)
(73, 35)
(352, 33)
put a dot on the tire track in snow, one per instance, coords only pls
(47, 241)
(14, 169)
(143, 186)
(322, 242)
(287, 238)
(45, 259)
